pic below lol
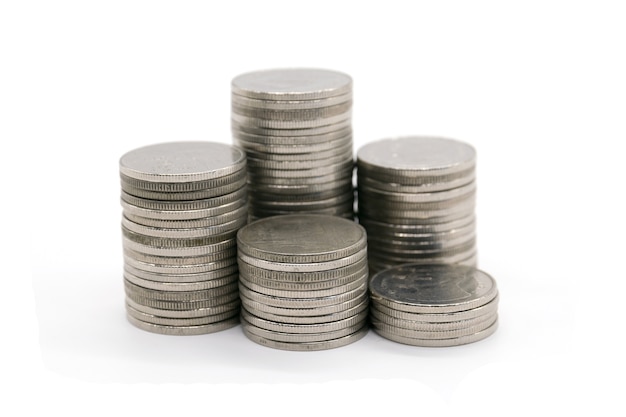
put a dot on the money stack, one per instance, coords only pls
(183, 205)
(303, 281)
(295, 126)
(434, 305)
(416, 199)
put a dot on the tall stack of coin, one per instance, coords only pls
(183, 205)
(416, 199)
(303, 281)
(434, 305)
(295, 126)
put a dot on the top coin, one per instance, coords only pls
(301, 238)
(432, 288)
(417, 156)
(182, 161)
(292, 84)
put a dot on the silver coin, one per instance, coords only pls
(178, 187)
(300, 190)
(291, 124)
(302, 303)
(291, 165)
(420, 325)
(304, 313)
(439, 342)
(295, 132)
(312, 346)
(302, 277)
(432, 232)
(432, 288)
(306, 151)
(289, 104)
(443, 182)
(304, 286)
(336, 290)
(483, 311)
(299, 337)
(423, 197)
(232, 305)
(423, 185)
(181, 286)
(421, 251)
(184, 330)
(193, 321)
(181, 278)
(389, 257)
(180, 251)
(299, 153)
(182, 161)
(221, 219)
(292, 114)
(303, 328)
(178, 242)
(199, 206)
(407, 216)
(195, 233)
(416, 156)
(434, 335)
(291, 84)
(386, 203)
(292, 144)
(180, 269)
(296, 205)
(184, 196)
(303, 198)
(180, 215)
(181, 261)
(183, 305)
(134, 290)
(281, 240)
(342, 167)
(300, 319)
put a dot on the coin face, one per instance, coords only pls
(433, 288)
(423, 155)
(182, 161)
(310, 237)
(292, 84)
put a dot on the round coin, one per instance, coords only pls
(432, 288)
(182, 161)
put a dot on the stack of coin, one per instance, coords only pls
(303, 281)
(295, 126)
(434, 305)
(183, 205)
(416, 199)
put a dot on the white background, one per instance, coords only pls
(539, 88)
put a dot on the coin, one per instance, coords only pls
(184, 330)
(182, 162)
(417, 156)
(457, 341)
(292, 84)
(311, 346)
(281, 239)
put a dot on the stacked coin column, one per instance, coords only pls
(416, 199)
(434, 305)
(303, 281)
(183, 205)
(295, 126)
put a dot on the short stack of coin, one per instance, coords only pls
(416, 199)
(434, 305)
(295, 126)
(303, 281)
(183, 205)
